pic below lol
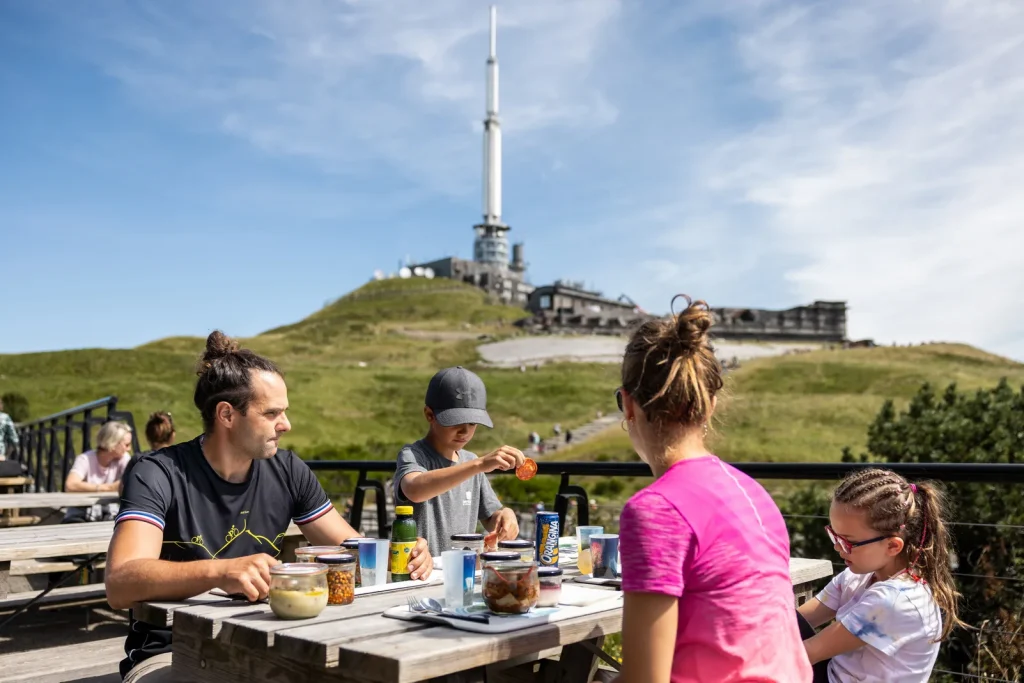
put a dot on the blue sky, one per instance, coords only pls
(169, 168)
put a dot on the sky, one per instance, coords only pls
(171, 168)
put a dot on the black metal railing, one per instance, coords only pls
(48, 445)
(977, 473)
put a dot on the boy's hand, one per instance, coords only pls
(421, 564)
(506, 526)
(502, 458)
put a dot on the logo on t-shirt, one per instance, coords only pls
(469, 499)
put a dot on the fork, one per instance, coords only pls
(415, 605)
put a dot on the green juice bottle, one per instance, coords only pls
(403, 540)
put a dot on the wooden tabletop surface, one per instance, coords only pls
(57, 501)
(222, 640)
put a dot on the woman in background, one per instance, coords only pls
(160, 430)
(100, 470)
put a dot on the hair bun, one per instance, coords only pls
(218, 345)
(692, 323)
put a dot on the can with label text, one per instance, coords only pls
(546, 538)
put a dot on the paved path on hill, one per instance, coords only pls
(532, 350)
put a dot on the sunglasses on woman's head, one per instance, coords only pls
(848, 546)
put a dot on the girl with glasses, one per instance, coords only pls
(889, 602)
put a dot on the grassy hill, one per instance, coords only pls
(806, 407)
(358, 368)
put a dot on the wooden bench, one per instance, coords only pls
(92, 592)
(95, 661)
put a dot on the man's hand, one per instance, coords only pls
(506, 526)
(502, 458)
(248, 576)
(421, 564)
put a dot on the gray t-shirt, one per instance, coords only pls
(455, 511)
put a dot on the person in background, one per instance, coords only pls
(8, 434)
(100, 470)
(446, 483)
(160, 430)
(212, 512)
(889, 602)
(705, 551)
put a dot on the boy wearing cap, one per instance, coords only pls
(446, 483)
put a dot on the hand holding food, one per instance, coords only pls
(502, 458)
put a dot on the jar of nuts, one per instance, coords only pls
(341, 578)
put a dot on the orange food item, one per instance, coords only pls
(491, 541)
(527, 470)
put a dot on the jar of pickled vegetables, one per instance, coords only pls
(341, 578)
(298, 590)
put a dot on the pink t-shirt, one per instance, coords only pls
(712, 537)
(87, 466)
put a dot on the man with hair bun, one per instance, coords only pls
(212, 512)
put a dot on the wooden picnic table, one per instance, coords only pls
(14, 484)
(58, 540)
(56, 501)
(221, 641)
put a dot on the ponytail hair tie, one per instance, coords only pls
(913, 489)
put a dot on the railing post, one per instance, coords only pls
(51, 456)
(86, 430)
(69, 451)
(38, 478)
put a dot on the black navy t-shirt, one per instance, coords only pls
(205, 517)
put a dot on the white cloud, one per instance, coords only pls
(891, 167)
(351, 84)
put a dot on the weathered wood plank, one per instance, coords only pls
(440, 651)
(11, 501)
(319, 644)
(802, 570)
(63, 663)
(68, 594)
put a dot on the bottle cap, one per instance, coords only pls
(404, 510)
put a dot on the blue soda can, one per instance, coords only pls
(546, 538)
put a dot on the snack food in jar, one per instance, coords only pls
(511, 587)
(298, 590)
(341, 588)
(471, 542)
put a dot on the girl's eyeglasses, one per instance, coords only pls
(848, 546)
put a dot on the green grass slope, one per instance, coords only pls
(356, 375)
(806, 407)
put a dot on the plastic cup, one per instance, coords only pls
(374, 556)
(604, 553)
(459, 567)
(583, 534)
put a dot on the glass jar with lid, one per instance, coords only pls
(471, 542)
(550, 586)
(510, 587)
(341, 569)
(499, 556)
(298, 590)
(308, 553)
(351, 547)
(527, 551)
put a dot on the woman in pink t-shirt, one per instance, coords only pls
(705, 552)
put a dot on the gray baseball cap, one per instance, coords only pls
(457, 396)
